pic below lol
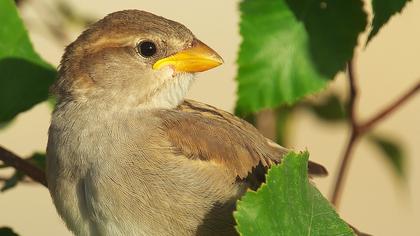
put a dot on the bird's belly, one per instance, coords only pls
(103, 187)
(129, 204)
(88, 201)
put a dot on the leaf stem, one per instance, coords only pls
(13, 160)
(358, 129)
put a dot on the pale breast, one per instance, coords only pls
(118, 175)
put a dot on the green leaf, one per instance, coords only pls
(274, 66)
(12, 181)
(333, 28)
(24, 76)
(392, 152)
(38, 159)
(4, 125)
(6, 231)
(288, 204)
(286, 54)
(330, 109)
(383, 10)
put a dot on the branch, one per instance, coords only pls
(353, 94)
(368, 125)
(353, 136)
(359, 129)
(11, 159)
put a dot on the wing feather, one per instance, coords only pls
(200, 131)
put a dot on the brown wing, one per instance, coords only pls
(200, 131)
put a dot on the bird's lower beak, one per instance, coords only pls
(197, 58)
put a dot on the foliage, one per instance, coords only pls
(25, 77)
(392, 152)
(288, 204)
(291, 49)
(6, 231)
(383, 10)
(330, 109)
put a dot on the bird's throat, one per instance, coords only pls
(171, 93)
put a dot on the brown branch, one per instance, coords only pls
(12, 160)
(343, 168)
(353, 93)
(359, 129)
(369, 124)
(353, 135)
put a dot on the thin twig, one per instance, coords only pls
(367, 125)
(353, 93)
(353, 135)
(344, 163)
(358, 129)
(12, 160)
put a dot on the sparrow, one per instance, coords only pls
(128, 155)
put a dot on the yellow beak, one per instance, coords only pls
(197, 58)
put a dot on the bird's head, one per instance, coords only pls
(134, 58)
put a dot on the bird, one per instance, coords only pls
(128, 154)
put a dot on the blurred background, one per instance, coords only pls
(374, 198)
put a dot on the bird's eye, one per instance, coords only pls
(147, 48)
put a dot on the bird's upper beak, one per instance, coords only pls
(199, 57)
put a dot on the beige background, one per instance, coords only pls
(387, 67)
